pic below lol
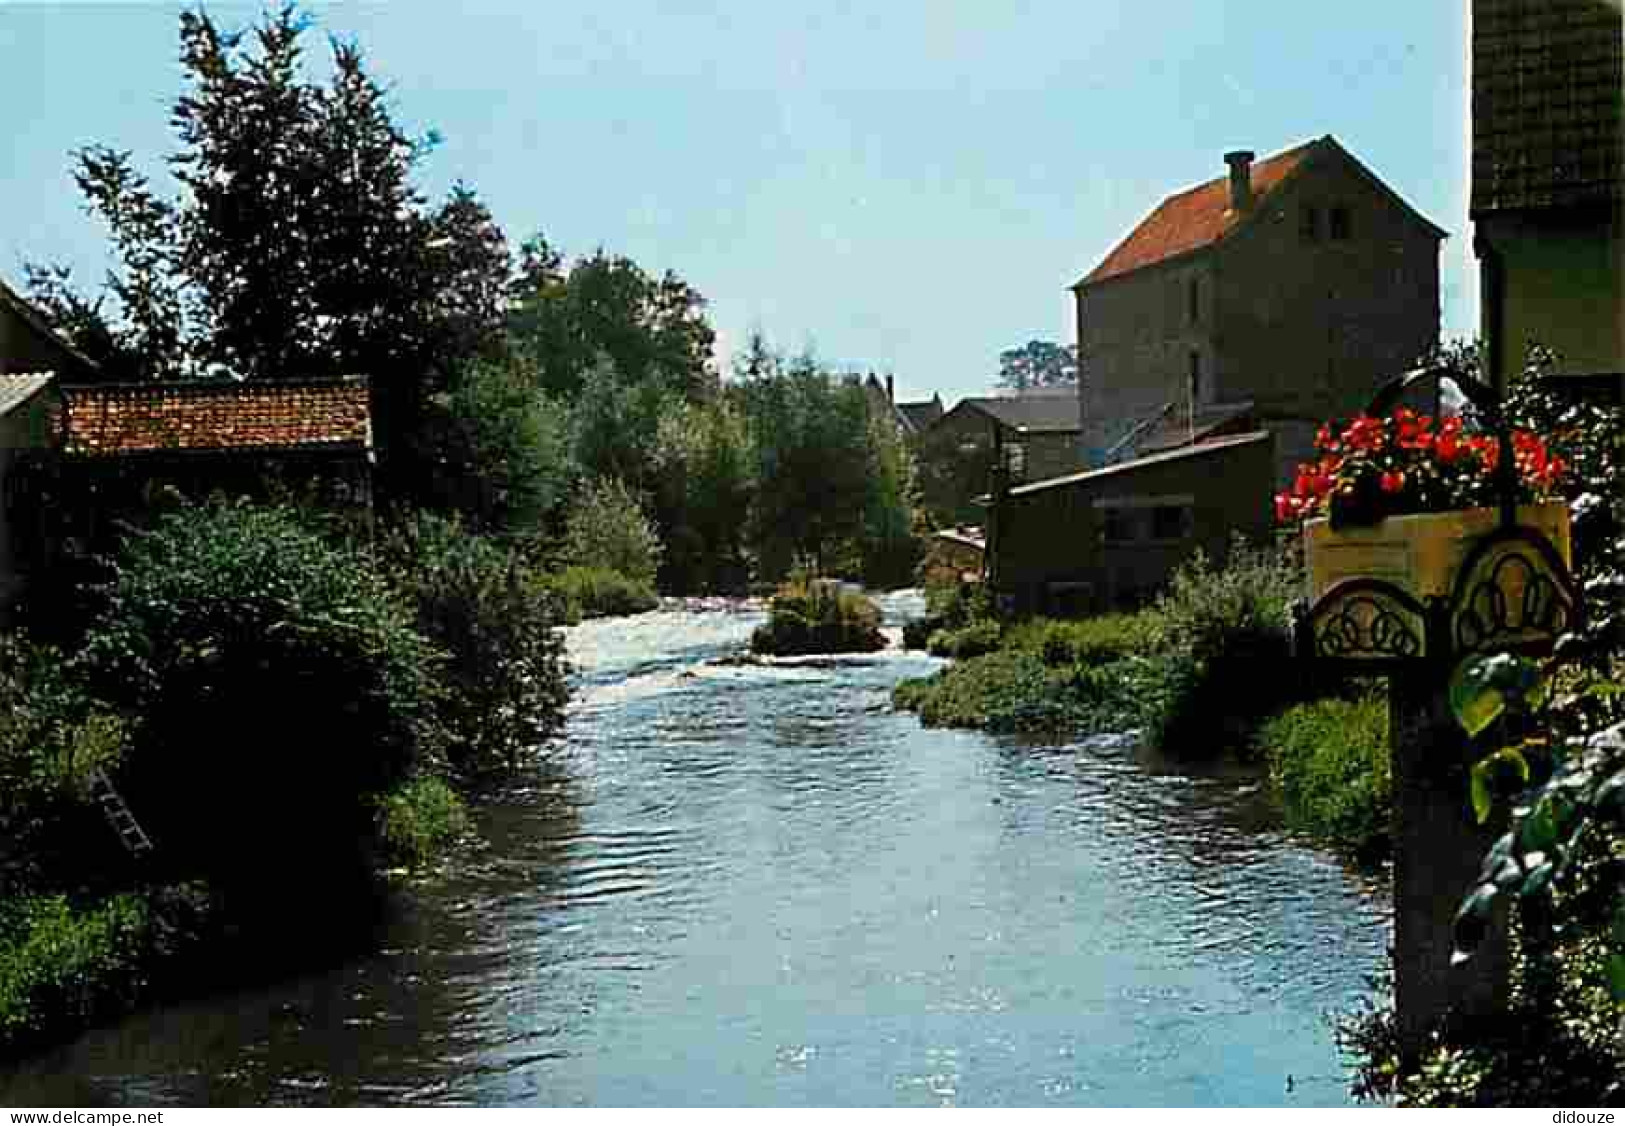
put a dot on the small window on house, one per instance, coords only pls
(1171, 521)
(1196, 376)
(1193, 297)
(1309, 224)
(1340, 226)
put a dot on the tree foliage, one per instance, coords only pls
(298, 245)
(568, 320)
(1038, 363)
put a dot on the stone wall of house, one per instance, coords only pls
(1311, 326)
(1564, 281)
(1137, 334)
(1112, 537)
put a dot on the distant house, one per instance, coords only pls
(1277, 296)
(1548, 192)
(1110, 537)
(1036, 432)
(911, 419)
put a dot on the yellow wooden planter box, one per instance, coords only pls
(1420, 553)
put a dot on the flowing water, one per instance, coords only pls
(747, 884)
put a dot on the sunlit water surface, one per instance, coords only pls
(737, 883)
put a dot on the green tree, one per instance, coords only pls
(298, 245)
(812, 466)
(501, 447)
(649, 328)
(704, 491)
(1038, 363)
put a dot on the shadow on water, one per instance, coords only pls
(755, 884)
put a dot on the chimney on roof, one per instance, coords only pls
(891, 391)
(1241, 179)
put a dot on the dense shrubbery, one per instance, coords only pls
(592, 592)
(606, 529)
(1090, 641)
(419, 820)
(1009, 691)
(1199, 669)
(817, 616)
(279, 685)
(1230, 628)
(970, 640)
(61, 968)
(52, 737)
(1329, 767)
(505, 678)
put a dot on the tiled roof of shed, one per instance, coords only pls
(1201, 449)
(1548, 92)
(1194, 218)
(17, 388)
(148, 418)
(1035, 413)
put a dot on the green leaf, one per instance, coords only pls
(1481, 688)
(1616, 976)
(1485, 772)
(1473, 922)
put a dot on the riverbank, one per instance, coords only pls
(1203, 673)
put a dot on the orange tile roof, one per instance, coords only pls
(1194, 218)
(146, 418)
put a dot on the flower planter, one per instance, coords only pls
(1420, 554)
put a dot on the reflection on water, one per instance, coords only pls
(737, 883)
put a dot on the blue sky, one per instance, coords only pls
(907, 186)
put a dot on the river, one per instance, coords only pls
(741, 884)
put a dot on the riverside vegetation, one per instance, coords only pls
(298, 702)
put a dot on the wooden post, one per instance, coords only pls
(1438, 848)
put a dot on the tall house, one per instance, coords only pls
(1277, 295)
(1549, 180)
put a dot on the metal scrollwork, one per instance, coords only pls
(1512, 591)
(1368, 619)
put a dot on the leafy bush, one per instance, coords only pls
(592, 592)
(1229, 628)
(60, 968)
(419, 819)
(817, 616)
(280, 685)
(1329, 766)
(1240, 609)
(970, 640)
(52, 737)
(607, 529)
(506, 677)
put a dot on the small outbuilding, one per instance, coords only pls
(1108, 538)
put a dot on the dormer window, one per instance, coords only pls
(1340, 224)
(1309, 224)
